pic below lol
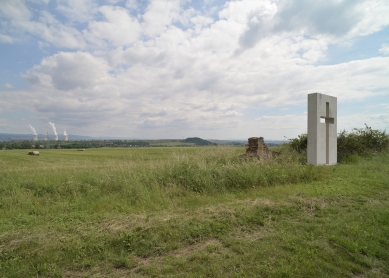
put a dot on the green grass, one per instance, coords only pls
(191, 212)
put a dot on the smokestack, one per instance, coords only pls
(54, 130)
(34, 135)
(65, 136)
(46, 137)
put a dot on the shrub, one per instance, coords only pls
(299, 144)
(360, 141)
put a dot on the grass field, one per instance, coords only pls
(172, 144)
(191, 212)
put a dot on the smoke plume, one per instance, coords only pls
(32, 130)
(64, 133)
(53, 127)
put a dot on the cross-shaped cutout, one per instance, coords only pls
(327, 120)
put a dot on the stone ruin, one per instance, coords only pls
(257, 149)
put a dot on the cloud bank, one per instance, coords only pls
(169, 69)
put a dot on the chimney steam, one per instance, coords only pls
(34, 135)
(65, 136)
(54, 130)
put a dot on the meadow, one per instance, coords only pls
(191, 212)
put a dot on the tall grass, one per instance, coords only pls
(136, 179)
(200, 212)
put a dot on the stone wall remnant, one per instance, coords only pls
(257, 148)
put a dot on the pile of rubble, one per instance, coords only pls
(257, 149)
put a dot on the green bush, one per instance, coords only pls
(361, 141)
(358, 142)
(299, 144)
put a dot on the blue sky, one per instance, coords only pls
(180, 68)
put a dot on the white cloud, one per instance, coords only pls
(46, 26)
(67, 71)
(38, 1)
(53, 32)
(372, 17)
(8, 86)
(244, 11)
(15, 10)
(200, 22)
(119, 29)
(6, 39)
(131, 4)
(384, 49)
(76, 10)
(280, 126)
(334, 20)
(358, 120)
(159, 15)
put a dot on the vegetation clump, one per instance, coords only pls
(358, 142)
(361, 141)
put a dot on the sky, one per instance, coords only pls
(215, 69)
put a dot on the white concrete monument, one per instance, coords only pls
(322, 136)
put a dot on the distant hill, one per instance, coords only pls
(198, 141)
(9, 136)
